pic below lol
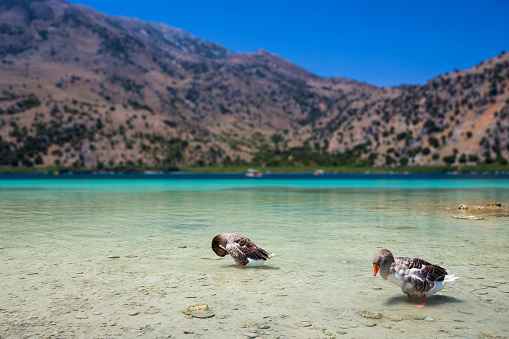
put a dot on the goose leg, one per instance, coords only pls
(423, 302)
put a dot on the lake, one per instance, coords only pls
(122, 255)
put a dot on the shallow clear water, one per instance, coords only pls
(122, 257)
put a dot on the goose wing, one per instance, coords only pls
(242, 249)
(421, 274)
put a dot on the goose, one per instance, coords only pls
(415, 276)
(242, 250)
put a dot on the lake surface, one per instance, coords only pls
(121, 255)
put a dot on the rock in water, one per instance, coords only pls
(370, 314)
(469, 217)
(198, 311)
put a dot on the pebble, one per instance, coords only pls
(198, 311)
(113, 257)
(465, 312)
(429, 319)
(134, 313)
(369, 323)
(188, 331)
(131, 256)
(394, 318)
(251, 335)
(182, 246)
(469, 217)
(263, 327)
(487, 284)
(302, 324)
(370, 314)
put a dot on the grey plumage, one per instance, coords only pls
(239, 247)
(415, 276)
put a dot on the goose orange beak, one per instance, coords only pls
(375, 269)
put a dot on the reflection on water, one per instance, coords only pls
(122, 257)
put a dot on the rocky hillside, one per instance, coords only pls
(80, 88)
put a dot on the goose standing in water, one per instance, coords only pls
(415, 276)
(243, 251)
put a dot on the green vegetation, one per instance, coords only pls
(138, 106)
(134, 168)
(22, 105)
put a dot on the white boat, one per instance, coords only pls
(318, 172)
(252, 173)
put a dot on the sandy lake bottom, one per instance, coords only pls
(114, 258)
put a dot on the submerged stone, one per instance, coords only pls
(469, 217)
(370, 314)
(302, 324)
(368, 323)
(198, 311)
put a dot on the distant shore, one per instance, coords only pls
(478, 169)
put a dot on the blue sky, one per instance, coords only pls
(383, 43)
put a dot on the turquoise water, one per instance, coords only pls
(122, 255)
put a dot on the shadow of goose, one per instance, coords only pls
(436, 300)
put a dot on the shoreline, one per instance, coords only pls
(265, 177)
(481, 170)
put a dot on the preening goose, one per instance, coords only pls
(242, 250)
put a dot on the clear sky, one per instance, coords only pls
(383, 43)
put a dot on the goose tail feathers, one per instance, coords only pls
(450, 278)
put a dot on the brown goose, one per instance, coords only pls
(415, 276)
(242, 250)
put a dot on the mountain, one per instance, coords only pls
(80, 88)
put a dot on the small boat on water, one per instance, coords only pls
(252, 173)
(318, 172)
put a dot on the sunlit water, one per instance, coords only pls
(117, 257)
